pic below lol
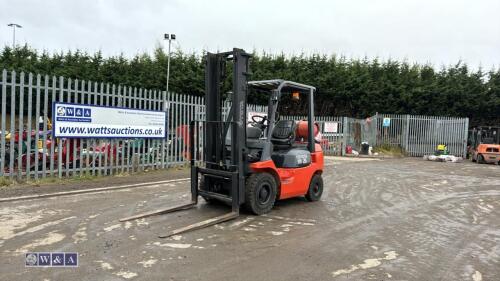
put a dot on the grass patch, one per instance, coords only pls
(389, 150)
(5, 182)
(85, 177)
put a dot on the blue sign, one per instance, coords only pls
(51, 259)
(86, 112)
(44, 259)
(57, 259)
(386, 122)
(71, 259)
(78, 112)
(70, 113)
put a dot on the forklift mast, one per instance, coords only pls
(214, 75)
(223, 159)
(486, 135)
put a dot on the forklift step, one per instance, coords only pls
(225, 174)
(202, 224)
(215, 195)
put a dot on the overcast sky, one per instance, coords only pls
(435, 31)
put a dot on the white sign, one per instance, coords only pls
(87, 121)
(386, 122)
(331, 127)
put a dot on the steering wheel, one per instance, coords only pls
(259, 121)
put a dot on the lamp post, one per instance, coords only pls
(169, 37)
(14, 25)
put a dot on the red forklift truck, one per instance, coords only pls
(249, 165)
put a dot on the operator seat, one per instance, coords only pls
(283, 135)
(285, 153)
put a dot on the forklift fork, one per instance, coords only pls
(206, 223)
(160, 212)
(194, 201)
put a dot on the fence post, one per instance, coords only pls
(28, 130)
(407, 133)
(12, 156)
(20, 129)
(3, 134)
(466, 133)
(344, 135)
(164, 108)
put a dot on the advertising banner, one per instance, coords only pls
(89, 121)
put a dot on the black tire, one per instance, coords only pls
(480, 159)
(201, 185)
(260, 193)
(315, 188)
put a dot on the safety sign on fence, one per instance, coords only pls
(386, 122)
(88, 121)
(331, 127)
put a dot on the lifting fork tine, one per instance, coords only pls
(159, 212)
(202, 224)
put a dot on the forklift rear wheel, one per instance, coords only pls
(260, 193)
(315, 188)
(480, 159)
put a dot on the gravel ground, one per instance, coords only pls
(391, 219)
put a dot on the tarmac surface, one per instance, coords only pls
(390, 219)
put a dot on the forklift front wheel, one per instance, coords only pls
(315, 188)
(201, 185)
(260, 193)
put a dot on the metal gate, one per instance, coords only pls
(416, 135)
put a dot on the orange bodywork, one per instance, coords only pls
(489, 152)
(292, 182)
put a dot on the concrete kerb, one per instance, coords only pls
(91, 190)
